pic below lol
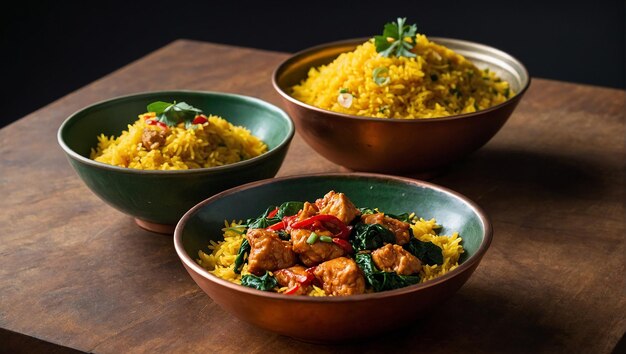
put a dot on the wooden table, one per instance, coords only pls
(76, 274)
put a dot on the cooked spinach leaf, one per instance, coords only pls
(402, 217)
(285, 209)
(426, 252)
(381, 281)
(289, 209)
(242, 255)
(263, 221)
(370, 236)
(367, 211)
(264, 283)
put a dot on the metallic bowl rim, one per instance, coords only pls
(463, 267)
(361, 40)
(217, 169)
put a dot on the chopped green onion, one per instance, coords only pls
(326, 239)
(380, 76)
(343, 90)
(345, 100)
(507, 92)
(312, 238)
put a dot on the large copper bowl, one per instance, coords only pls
(397, 145)
(332, 319)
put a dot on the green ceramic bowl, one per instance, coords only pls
(331, 319)
(157, 199)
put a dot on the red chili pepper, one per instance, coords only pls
(199, 120)
(157, 123)
(316, 220)
(292, 290)
(311, 276)
(273, 212)
(276, 227)
(287, 220)
(343, 244)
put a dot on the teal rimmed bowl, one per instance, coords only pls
(333, 319)
(157, 199)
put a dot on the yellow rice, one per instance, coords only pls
(215, 143)
(436, 83)
(220, 261)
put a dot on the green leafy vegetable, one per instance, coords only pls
(402, 217)
(264, 283)
(242, 255)
(392, 41)
(426, 252)
(367, 211)
(371, 236)
(174, 113)
(263, 220)
(381, 281)
(285, 209)
(380, 77)
(289, 209)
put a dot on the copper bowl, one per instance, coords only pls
(332, 319)
(397, 145)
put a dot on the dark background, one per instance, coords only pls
(50, 49)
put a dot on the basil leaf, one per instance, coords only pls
(174, 113)
(264, 283)
(371, 236)
(263, 221)
(289, 209)
(242, 255)
(381, 281)
(426, 252)
(404, 217)
(158, 107)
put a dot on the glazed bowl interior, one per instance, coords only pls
(156, 198)
(313, 318)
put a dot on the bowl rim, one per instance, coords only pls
(463, 267)
(216, 169)
(360, 40)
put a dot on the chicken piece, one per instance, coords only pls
(341, 276)
(338, 205)
(153, 139)
(399, 228)
(394, 258)
(294, 277)
(307, 211)
(316, 253)
(268, 252)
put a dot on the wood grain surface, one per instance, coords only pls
(79, 275)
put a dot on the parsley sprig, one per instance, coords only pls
(174, 113)
(392, 41)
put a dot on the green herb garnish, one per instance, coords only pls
(174, 113)
(380, 76)
(264, 283)
(392, 41)
(343, 90)
(312, 238)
